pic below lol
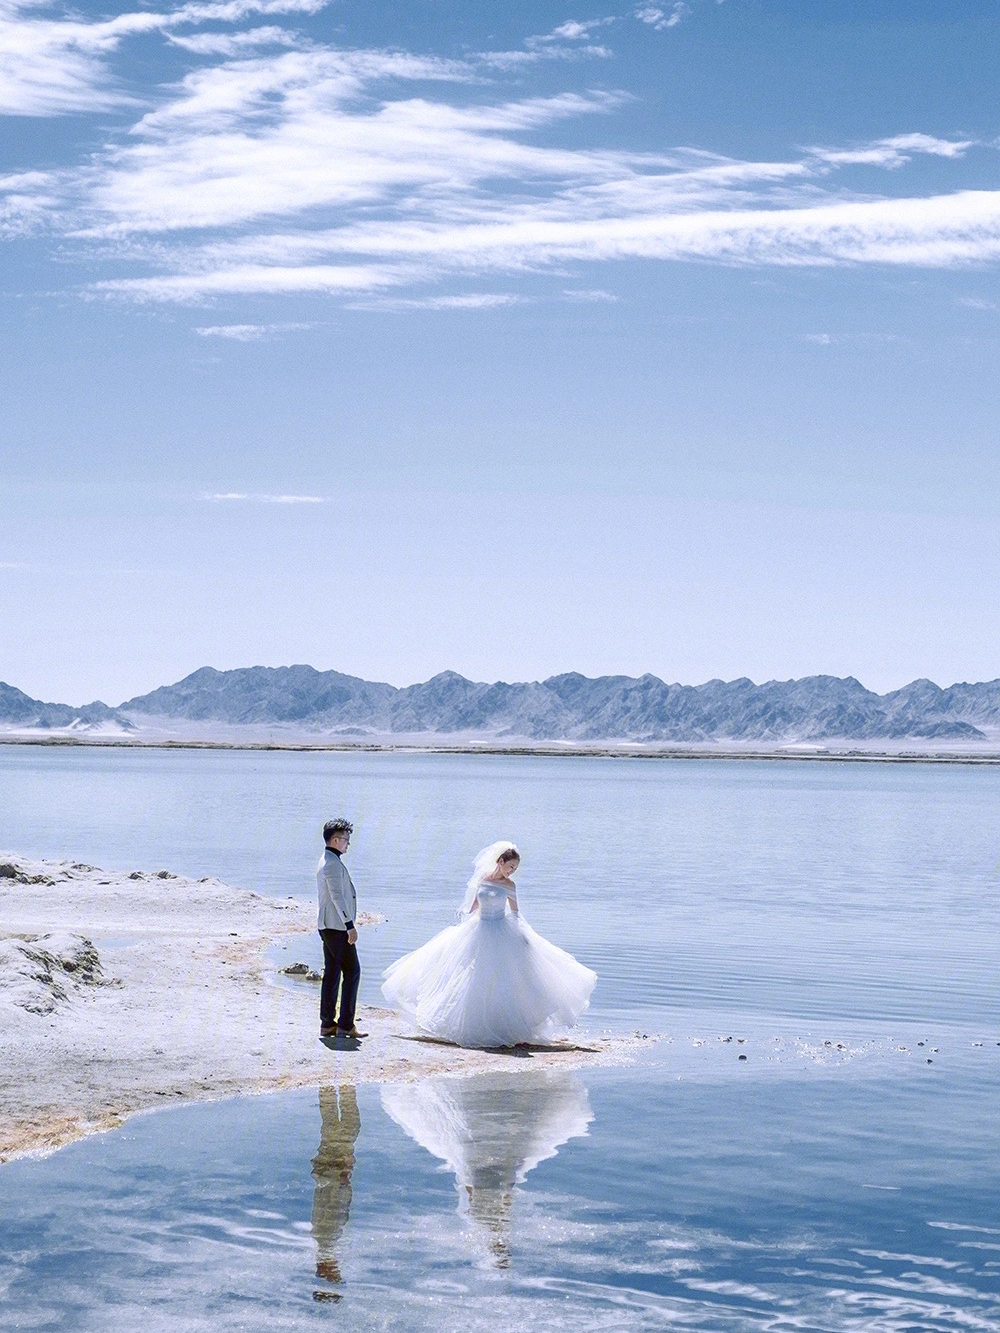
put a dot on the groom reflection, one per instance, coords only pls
(491, 1131)
(331, 1168)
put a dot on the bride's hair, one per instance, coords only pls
(486, 862)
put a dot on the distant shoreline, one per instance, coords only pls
(543, 750)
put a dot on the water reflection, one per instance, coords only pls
(491, 1131)
(332, 1167)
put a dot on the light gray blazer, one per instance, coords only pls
(338, 902)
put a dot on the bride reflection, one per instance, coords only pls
(491, 1131)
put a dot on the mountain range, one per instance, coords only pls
(565, 707)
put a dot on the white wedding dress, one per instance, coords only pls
(490, 981)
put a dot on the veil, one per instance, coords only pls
(485, 864)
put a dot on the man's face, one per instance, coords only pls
(340, 842)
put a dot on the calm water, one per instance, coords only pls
(793, 905)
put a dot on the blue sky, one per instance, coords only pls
(508, 339)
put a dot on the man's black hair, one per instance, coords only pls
(334, 826)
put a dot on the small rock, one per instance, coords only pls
(741, 1057)
(314, 976)
(164, 874)
(136, 874)
(296, 969)
(929, 1060)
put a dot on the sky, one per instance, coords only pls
(504, 339)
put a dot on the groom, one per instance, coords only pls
(337, 907)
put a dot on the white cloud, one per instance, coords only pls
(894, 152)
(237, 43)
(588, 294)
(464, 301)
(54, 66)
(659, 18)
(937, 232)
(328, 171)
(267, 499)
(269, 279)
(27, 198)
(245, 333)
(823, 339)
(573, 31)
(513, 60)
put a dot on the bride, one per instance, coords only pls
(491, 980)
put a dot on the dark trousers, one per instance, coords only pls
(341, 971)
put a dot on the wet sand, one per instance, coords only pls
(124, 991)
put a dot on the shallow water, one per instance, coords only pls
(807, 1204)
(811, 889)
(825, 918)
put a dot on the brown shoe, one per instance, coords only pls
(328, 1032)
(353, 1032)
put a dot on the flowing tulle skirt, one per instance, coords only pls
(490, 981)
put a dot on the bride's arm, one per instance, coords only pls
(512, 899)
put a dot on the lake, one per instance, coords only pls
(835, 923)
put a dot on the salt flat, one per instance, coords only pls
(120, 992)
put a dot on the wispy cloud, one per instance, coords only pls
(281, 166)
(462, 301)
(236, 43)
(54, 66)
(892, 153)
(659, 18)
(259, 498)
(27, 200)
(575, 31)
(245, 333)
(592, 294)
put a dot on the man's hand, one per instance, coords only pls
(352, 937)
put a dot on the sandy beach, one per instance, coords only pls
(121, 992)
